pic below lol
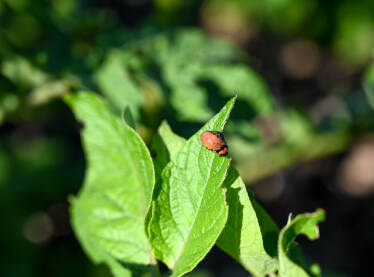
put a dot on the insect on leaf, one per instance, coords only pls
(189, 211)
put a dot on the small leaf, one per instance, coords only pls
(108, 216)
(242, 238)
(302, 224)
(189, 211)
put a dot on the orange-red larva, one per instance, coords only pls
(214, 141)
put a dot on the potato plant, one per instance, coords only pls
(136, 210)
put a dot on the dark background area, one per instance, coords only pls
(312, 55)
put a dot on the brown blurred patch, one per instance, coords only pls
(229, 21)
(356, 174)
(300, 58)
(38, 228)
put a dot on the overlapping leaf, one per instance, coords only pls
(108, 216)
(249, 233)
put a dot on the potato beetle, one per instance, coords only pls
(214, 141)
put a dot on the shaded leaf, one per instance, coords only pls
(165, 146)
(128, 118)
(189, 212)
(108, 215)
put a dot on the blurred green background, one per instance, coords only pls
(301, 133)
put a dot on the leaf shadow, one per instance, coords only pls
(137, 270)
(269, 230)
(235, 213)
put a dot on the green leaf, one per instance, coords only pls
(302, 224)
(189, 211)
(243, 210)
(108, 216)
(243, 238)
(165, 146)
(116, 84)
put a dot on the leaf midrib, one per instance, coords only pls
(196, 214)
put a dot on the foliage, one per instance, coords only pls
(194, 203)
(147, 74)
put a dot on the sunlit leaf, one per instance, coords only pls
(108, 215)
(189, 211)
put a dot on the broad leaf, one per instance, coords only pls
(189, 211)
(302, 224)
(243, 211)
(242, 238)
(108, 216)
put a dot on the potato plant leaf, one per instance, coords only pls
(302, 224)
(109, 213)
(242, 238)
(243, 211)
(189, 210)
